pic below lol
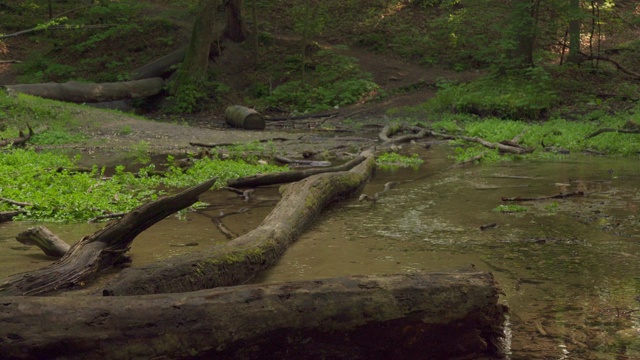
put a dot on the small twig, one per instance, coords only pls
(311, 163)
(225, 230)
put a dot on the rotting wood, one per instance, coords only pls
(290, 176)
(79, 92)
(556, 196)
(44, 239)
(101, 250)
(410, 316)
(239, 260)
(9, 215)
(244, 118)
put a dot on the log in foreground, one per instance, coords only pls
(239, 260)
(417, 316)
(78, 92)
(101, 250)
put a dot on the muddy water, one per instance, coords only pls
(569, 268)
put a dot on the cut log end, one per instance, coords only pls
(245, 118)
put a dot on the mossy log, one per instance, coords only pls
(243, 117)
(239, 260)
(78, 92)
(100, 251)
(418, 316)
(160, 67)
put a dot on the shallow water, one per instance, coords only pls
(569, 268)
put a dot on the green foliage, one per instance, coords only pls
(140, 152)
(68, 196)
(518, 96)
(56, 137)
(394, 159)
(337, 81)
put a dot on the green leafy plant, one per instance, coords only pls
(511, 209)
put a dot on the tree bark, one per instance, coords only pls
(78, 92)
(101, 250)
(235, 28)
(43, 238)
(243, 117)
(419, 316)
(160, 67)
(239, 260)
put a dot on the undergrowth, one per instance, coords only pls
(58, 193)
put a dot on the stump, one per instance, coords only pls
(245, 118)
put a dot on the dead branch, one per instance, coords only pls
(377, 195)
(107, 216)
(615, 63)
(390, 130)
(20, 140)
(505, 148)
(557, 196)
(101, 250)
(621, 131)
(245, 194)
(16, 203)
(298, 162)
(10, 62)
(46, 240)
(289, 176)
(57, 27)
(234, 144)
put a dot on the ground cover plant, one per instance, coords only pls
(52, 189)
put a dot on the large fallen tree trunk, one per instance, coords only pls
(78, 92)
(432, 316)
(239, 260)
(101, 250)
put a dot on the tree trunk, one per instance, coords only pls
(239, 260)
(243, 117)
(101, 250)
(574, 33)
(523, 29)
(235, 28)
(432, 316)
(78, 92)
(193, 70)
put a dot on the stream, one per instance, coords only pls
(569, 268)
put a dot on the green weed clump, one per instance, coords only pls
(336, 81)
(390, 160)
(58, 193)
(522, 96)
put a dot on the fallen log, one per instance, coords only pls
(101, 250)
(621, 131)
(46, 240)
(78, 92)
(390, 130)
(243, 117)
(160, 67)
(418, 316)
(300, 162)
(290, 176)
(9, 215)
(239, 260)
